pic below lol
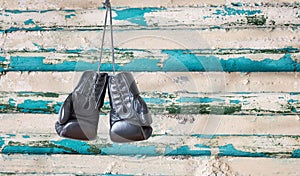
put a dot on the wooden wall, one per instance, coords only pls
(221, 79)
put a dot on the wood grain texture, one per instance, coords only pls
(94, 165)
(168, 82)
(112, 165)
(140, 60)
(220, 78)
(161, 103)
(279, 146)
(167, 124)
(154, 39)
(53, 4)
(203, 17)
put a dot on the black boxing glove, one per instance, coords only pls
(130, 118)
(79, 114)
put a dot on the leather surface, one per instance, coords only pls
(130, 118)
(79, 114)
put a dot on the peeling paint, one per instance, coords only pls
(256, 20)
(178, 60)
(185, 150)
(164, 103)
(296, 153)
(151, 149)
(31, 150)
(38, 94)
(39, 106)
(70, 16)
(129, 150)
(199, 100)
(29, 21)
(55, 22)
(229, 150)
(75, 145)
(1, 142)
(135, 15)
(232, 11)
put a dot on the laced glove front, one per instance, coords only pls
(130, 118)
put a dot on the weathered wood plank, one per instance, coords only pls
(68, 4)
(247, 36)
(167, 103)
(31, 124)
(203, 17)
(109, 165)
(283, 146)
(228, 60)
(262, 166)
(154, 39)
(168, 82)
(94, 165)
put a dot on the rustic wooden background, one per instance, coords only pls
(221, 79)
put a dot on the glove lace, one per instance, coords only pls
(107, 5)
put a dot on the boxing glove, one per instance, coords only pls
(130, 118)
(79, 114)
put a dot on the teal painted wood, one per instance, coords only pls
(270, 57)
(220, 60)
(158, 145)
(167, 103)
(227, 16)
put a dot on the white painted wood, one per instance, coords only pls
(31, 124)
(170, 18)
(77, 4)
(68, 165)
(77, 164)
(155, 39)
(161, 81)
(264, 166)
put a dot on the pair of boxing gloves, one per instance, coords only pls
(130, 119)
